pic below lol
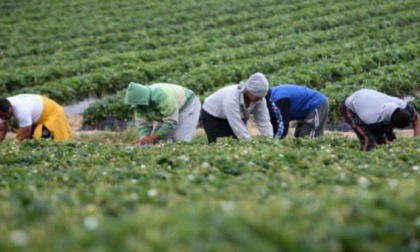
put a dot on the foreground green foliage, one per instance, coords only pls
(292, 195)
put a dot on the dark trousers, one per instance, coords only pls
(368, 134)
(215, 127)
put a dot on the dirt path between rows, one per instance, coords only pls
(76, 121)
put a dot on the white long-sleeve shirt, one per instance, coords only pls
(228, 103)
(372, 106)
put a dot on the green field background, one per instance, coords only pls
(96, 194)
(74, 50)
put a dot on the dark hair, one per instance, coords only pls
(400, 118)
(4, 105)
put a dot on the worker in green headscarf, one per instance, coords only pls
(164, 111)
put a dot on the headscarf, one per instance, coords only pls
(257, 84)
(137, 94)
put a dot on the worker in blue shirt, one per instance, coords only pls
(288, 102)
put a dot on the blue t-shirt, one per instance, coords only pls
(302, 99)
(291, 102)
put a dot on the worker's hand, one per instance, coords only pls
(147, 140)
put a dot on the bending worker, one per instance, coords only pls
(37, 117)
(373, 116)
(290, 102)
(225, 113)
(164, 111)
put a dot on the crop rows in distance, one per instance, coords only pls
(335, 47)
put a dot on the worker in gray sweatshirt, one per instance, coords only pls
(225, 113)
(373, 116)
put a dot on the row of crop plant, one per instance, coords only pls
(101, 83)
(393, 70)
(59, 66)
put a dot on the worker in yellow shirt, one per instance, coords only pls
(37, 117)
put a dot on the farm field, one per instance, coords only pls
(293, 195)
(95, 193)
